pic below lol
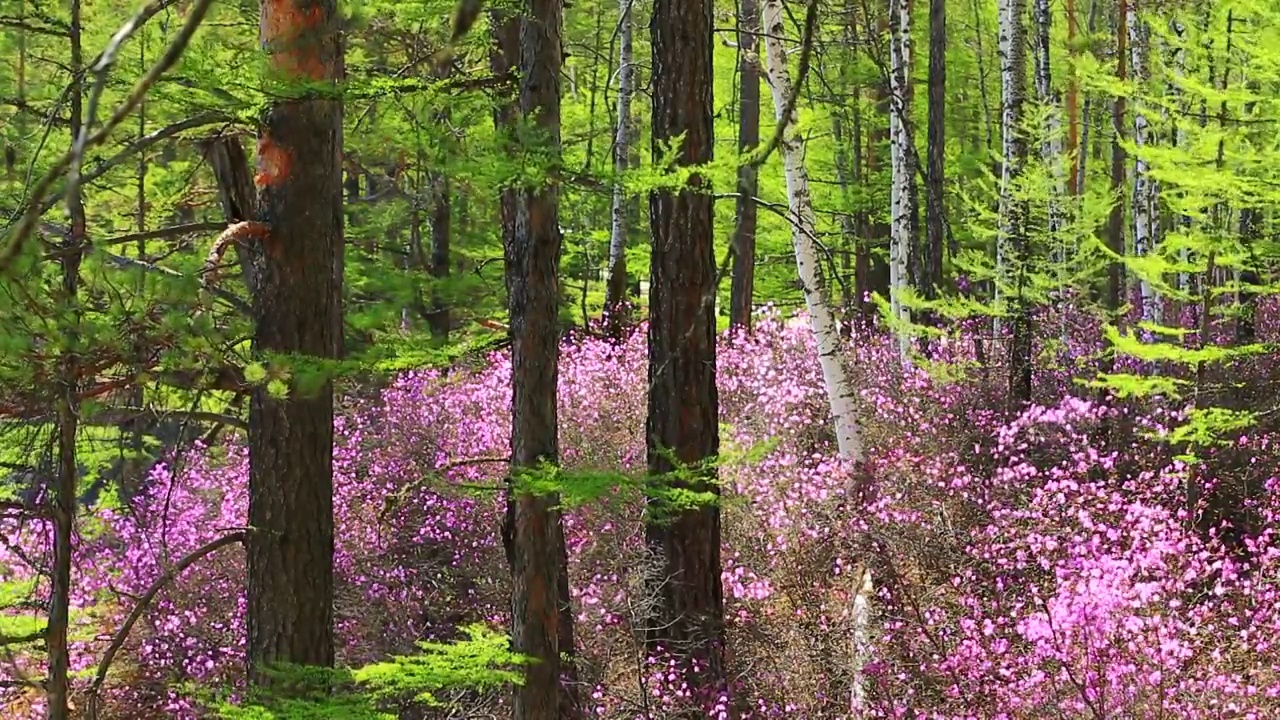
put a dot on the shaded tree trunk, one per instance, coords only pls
(67, 476)
(682, 428)
(1115, 222)
(297, 310)
(742, 289)
(532, 533)
(935, 198)
(441, 233)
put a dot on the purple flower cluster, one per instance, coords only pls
(1039, 565)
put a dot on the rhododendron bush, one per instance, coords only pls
(1030, 566)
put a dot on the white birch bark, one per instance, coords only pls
(622, 140)
(900, 157)
(1145, 190)
(803, 235)
(823, 321)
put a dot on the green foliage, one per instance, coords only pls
(482, 661)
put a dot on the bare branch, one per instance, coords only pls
(227, 297)
(118, 640)
(164, 232)
(74, 156)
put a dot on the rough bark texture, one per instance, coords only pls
(531, 530)
(616, 293)
(935, 199)
(1115, 223)
(683, 420)
(441, 233)
(742, 288)
(297, 310)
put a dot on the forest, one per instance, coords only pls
(639, 359)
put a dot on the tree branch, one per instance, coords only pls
(806, 53)
(164, 232)
(75, 155)
(227, 297)
(118, 640)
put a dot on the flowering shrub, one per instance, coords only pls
(1043, 565)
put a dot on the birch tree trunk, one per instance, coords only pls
(803, 235)
(617, 288)
(822, 319)
(1145, 190)
(901, 158)
(1011, 243)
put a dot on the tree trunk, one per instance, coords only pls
(682, 429)
(1072, 105)
(1146, 218)
(532, 532)
(441, 232)
(935, 198)
(742, 288)
(826, 330)
(58, 683)
(297, 310)
(1012, 244)
(616, 293)
(902, 155)
(1115, 222)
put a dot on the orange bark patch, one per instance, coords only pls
(274, 162)
(285, 29)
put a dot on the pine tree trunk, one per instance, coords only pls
(935, 198)
(616, 293)
(297, 310)
(66, 480)
(902, 156)
(683, 419)
(742, 288)
(1115, 223)
(532, 530)
(441, 233)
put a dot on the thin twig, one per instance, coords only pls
(118, 640)
(86, 141)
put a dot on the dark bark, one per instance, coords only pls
(1115, 222)
(1246, 297)
(66, 480)
(744, 234)
(532, 532)
(297, 311)
(935, 208)
(682, 426)
(225, 156)
(441, 232)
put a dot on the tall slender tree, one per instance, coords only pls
(66, 481)
(682, 429)
(1012, 242)
(902, 156)
(297, 311)
(1146, 219)
(935, 197)
(617, 289)
(742, 288)
(532, 531)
